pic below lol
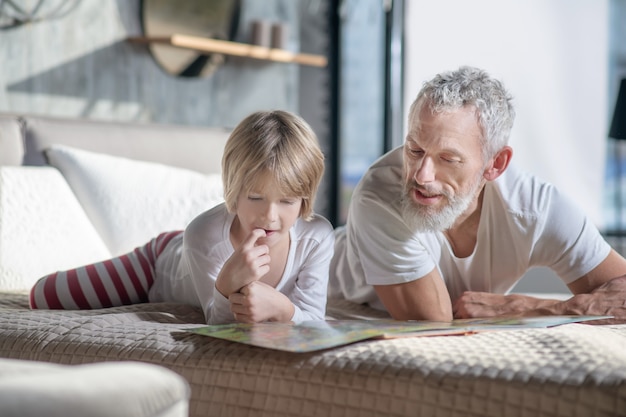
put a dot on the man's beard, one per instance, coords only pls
(422, 218)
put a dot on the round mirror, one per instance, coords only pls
(215, 19)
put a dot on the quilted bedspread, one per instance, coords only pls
(569, 370)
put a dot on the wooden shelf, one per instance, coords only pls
(233, 48)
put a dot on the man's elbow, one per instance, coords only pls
(431, 315)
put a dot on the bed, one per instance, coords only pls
(569, 370)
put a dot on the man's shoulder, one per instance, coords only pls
(383, 178)
(522, 191)
(389, 162)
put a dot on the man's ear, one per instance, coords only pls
(498, 164)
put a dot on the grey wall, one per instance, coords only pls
(81, 65)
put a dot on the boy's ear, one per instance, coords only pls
(498, 164)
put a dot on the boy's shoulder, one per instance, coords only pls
(212, 222)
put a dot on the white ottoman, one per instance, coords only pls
(29, 388)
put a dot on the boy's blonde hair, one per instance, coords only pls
(275, 142)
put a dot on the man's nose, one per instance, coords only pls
(424, 171)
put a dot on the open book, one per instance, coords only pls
(309, 336)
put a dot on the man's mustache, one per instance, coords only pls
(427, 190)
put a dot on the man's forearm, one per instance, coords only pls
(482, 304)
(609, 299)
(590, 305)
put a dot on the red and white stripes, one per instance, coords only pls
(114, 282)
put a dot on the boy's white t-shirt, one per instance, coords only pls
(524, 222)
(187, 269)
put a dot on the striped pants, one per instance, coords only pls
(114, 282)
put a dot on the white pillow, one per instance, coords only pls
(128, 201)
(43, 227)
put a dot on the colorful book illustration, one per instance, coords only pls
(310, 336)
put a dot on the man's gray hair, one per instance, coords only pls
(470, 86)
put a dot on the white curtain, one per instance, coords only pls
(552, 55)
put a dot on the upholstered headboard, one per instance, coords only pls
(23, 138)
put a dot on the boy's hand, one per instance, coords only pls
(257, 302)
(247, 264)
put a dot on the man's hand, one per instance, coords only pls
(257, 302)
(609, 299)
(247, 264)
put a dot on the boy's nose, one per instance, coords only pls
(271, 212)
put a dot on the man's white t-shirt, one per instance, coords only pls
(524, 222)
(187, 269)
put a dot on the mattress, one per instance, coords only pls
(569, 370)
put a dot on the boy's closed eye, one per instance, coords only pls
(289, 200)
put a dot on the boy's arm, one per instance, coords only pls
(258, 302)
(247, 264)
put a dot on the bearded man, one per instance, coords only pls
(443, 227)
